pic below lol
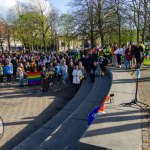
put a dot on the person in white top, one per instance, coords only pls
(64, 69)
(77, 74)
(119, 53)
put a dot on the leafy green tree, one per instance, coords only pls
(66, 28)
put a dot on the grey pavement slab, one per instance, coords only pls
(120, 127)
(24, 111)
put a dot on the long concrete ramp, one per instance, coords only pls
(69, 132)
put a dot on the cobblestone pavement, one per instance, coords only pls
(24, 110)
(144, 91)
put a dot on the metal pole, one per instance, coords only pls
(137, 81)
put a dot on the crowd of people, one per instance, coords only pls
(131, 55)
(53, 66)
(69, 66)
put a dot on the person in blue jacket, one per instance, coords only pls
(8, 71)
(58, 72)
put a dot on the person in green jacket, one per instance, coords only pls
(107, 52)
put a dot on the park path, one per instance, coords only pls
(27, 109)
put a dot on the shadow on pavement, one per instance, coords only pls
(116, 117)
(35, 122)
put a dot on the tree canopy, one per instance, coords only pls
(37, 25)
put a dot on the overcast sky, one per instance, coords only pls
(6, 4)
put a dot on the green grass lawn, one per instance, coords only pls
(147, 62)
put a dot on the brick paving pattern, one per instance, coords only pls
(25, 110)
(144, 92)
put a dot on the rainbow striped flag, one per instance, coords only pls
(148, 56)
(34, 78)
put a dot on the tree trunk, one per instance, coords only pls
(2, 46)
(145, 20)
(8, 40)
(119, 34)
(102, 39)
(92, 39)
(131, 35)
(44, 43)
(100, 22)
(138, 24)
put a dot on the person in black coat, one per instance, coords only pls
(138, 55)
(92, 71)
(70, 70)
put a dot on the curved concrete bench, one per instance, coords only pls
(120, 127)
(41, 134)
(70, 131)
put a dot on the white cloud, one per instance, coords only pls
(6, 4)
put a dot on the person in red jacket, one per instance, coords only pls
(128, 55)
(133, 62)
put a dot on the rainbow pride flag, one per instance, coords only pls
(148, 56)
(34, 78)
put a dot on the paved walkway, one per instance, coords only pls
(25, 110)
(120, 128)
(34, 140)
(144, 90)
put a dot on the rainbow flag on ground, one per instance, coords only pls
(34, 78)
